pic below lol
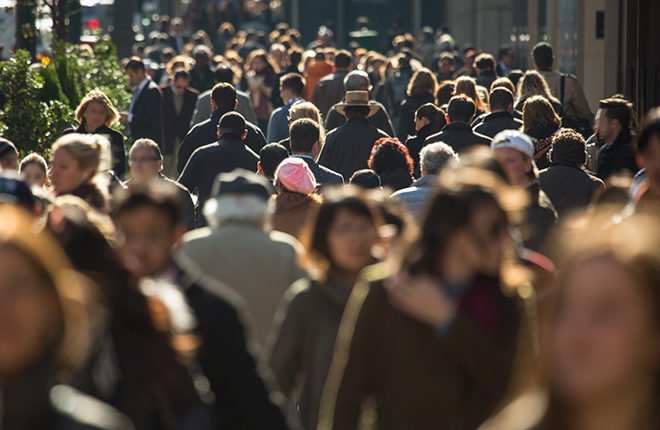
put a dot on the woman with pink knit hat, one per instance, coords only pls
(295, 201)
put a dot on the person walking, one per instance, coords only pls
(144, 118)
(457, 133)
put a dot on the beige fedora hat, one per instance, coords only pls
(357, 98)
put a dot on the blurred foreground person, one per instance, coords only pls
(429, 341)
(240, 250)
(35, 170)
(602, 344)
(515, 151)
(77, 160)
(300, 346)
(151, 229)
(295, 201)
(648, 155)
(8, 155)
(136, 362)
(47, 328)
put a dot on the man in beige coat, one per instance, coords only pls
(239, 251)
(574, 102)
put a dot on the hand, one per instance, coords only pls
(123, 117)
(421, 297)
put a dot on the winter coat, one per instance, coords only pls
(574, 102)
(396, 179)
(616, 157)
(116, 145)
(418, 196)
(258, 265)
(176, 125)
(92, 194)
(540, 219)
(324, 176)
(316, 70)
(568, 186)
(380, 120)
(459, 136)
(416, 143)
(410, 375)
(302, 341)
(292, 210)
(329, 91)
(542, 139)
(408, 108)
(348, 148)
(495, 122)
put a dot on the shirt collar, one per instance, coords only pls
(302, 156)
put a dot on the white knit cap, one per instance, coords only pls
(513, 139)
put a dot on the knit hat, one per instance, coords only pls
(515, 140)
(296, 176)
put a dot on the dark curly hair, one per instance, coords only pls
(390, 154)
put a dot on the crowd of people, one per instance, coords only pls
(321, 238)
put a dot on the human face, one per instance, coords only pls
(604, 126)
(420, 122)
(446, 67)
(146, 238)
(95, 115)
(515, 164)
(180, 85)
(651, 160)
(34, 175)
(258, 64)
(65, 173)
(135, 77)
(509, 58)
(29, 312)
(144, 164)
(603, 340)
(350, 240)
(10, 162)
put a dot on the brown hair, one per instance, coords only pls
(423, 81)
(88, 150)
(533, 84)
(97, 96)
(538, 112)
(467, 85)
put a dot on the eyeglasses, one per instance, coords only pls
(142, 160)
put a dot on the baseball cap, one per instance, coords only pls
(241, 181)
(296, 176)
(232, 122)
(515, 140)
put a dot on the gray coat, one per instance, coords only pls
(204, 109)
(417, 197)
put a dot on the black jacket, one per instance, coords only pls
(202, 80)
(147, 113)
(207, 132)
(540, 218)
(493, 123)
(207, 162)
(542, 139)
(347, 148)
(415, 145)
(323, 175)
(486, 79)
(243, 400)
(568, 186)
(408, 109)
(380, 120)
(176, 125)
(396, 179)
(617, 156)
(116, 145)
(459, 136)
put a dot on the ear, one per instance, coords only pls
(160, 165)
(316, 147)
(259, 169)
(236, 105)
(447, 119)
(510, 108)
(244, 135)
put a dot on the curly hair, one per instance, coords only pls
(390, 154)
(538, 112)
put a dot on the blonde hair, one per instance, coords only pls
(97, 96)
(533, 84)
(90, 151)
(538, 112)
(468, 86)
(310, 111)
(422, 82)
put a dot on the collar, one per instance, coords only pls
(496, 115)
(302, 156)
(143, 84)
(357, 119)
(564, 163)
(219, 112)
(457, 126)
(425, 181)
(293, 100)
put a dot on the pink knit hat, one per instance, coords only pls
(295, 175)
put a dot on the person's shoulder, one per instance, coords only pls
(526, 412)
(285, 241)
(330, 171)
(76, 410)
(483, 138)
(437, 137)
(173, 183)
(152, 86)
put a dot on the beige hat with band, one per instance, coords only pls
(357, 98)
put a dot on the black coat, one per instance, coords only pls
(147, 113)
(380, 120)
(207, 132)
(459, 136)
(242, 397)
(541, 218)
(568, 186)
(542, 139)
(415, 145)
(176, 125)
(486, 79)
(493, 123)
(116, 145)
(347, 148)
(617, 156)
(408, 109)
(207, 162)
(202, 80)
(323, 175)
(396, 180)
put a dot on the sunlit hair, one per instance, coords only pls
(314, 236)
(89, 150)
(35, 159)
(97, 96)
(239, 209)
(467, 85)
(538, 112)
(310, 111)
(75, 294)
(533, 84)
(423, 82)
